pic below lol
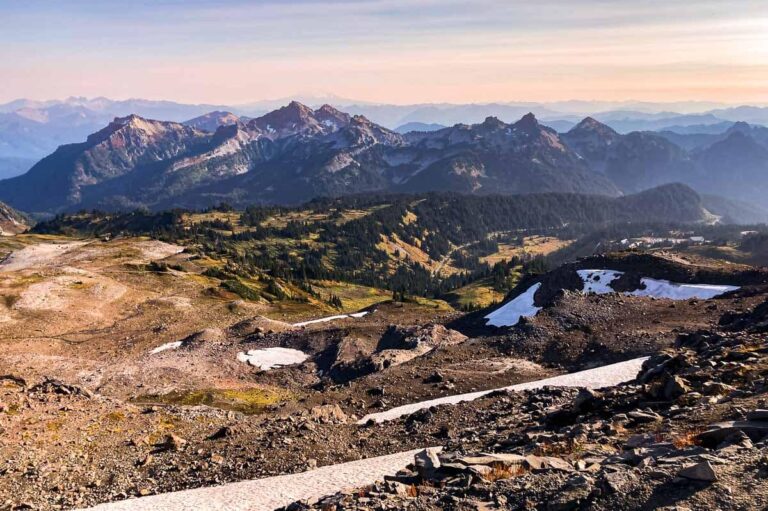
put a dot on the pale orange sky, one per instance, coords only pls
(394, 51)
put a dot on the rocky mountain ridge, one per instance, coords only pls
(297, 153)
(291, 155)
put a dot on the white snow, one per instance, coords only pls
(667, 289)
(599, 377)
(598, 281)
(272, 492)
(166, 346)
(331, 318)
(271, 358)
(510, 313)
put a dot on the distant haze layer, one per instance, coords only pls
(391, 51)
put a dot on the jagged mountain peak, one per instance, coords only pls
(360, 131)
(135, 128)
(332, 117)
(493, 123)
(592, 125)
(362, 120)
(739, 143)
(299, 119)
(213, 120)
(297, 109)
(740, 126)
(292, 112)
(328, 109)
(528, 123)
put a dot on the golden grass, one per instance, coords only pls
(480, 294)
(499, 471)
(250, 401)
(532, 245)
(353, 296)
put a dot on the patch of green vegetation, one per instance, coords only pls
(10, 300)
(161, 267)
(353, 297)
(249, 401)
(243, 291)
(26, 280)
(12, 409)
(475, 296)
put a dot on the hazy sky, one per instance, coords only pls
(397, 51)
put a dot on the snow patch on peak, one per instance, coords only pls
(510, 313)
(598, 281)
(666, 289)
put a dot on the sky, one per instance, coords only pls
(390, 51)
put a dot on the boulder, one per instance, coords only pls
(699, 472)
(427, 463)
(758, 415)
(539, 463)
(675, 387)
(755, 430)
(328, 414)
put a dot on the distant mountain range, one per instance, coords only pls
(30, 130)
(733, 164)
(297, 153)
(418, 126)
(291, 155)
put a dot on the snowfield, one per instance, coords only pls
(510, 313)
(272, 492)
(331, 318)
(599, 377)
(166, 346)
(667, 289)
(271, 358)
(599, 282)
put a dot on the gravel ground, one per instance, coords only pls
(273, 492)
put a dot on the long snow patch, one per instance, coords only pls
(270, 358)
(166, 346)
(510, 313)
(272, 492)
(599, 377)
(356, 315)
(667, 289)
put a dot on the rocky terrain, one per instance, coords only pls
(11, 221)
(691, 432)
(122, 381)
